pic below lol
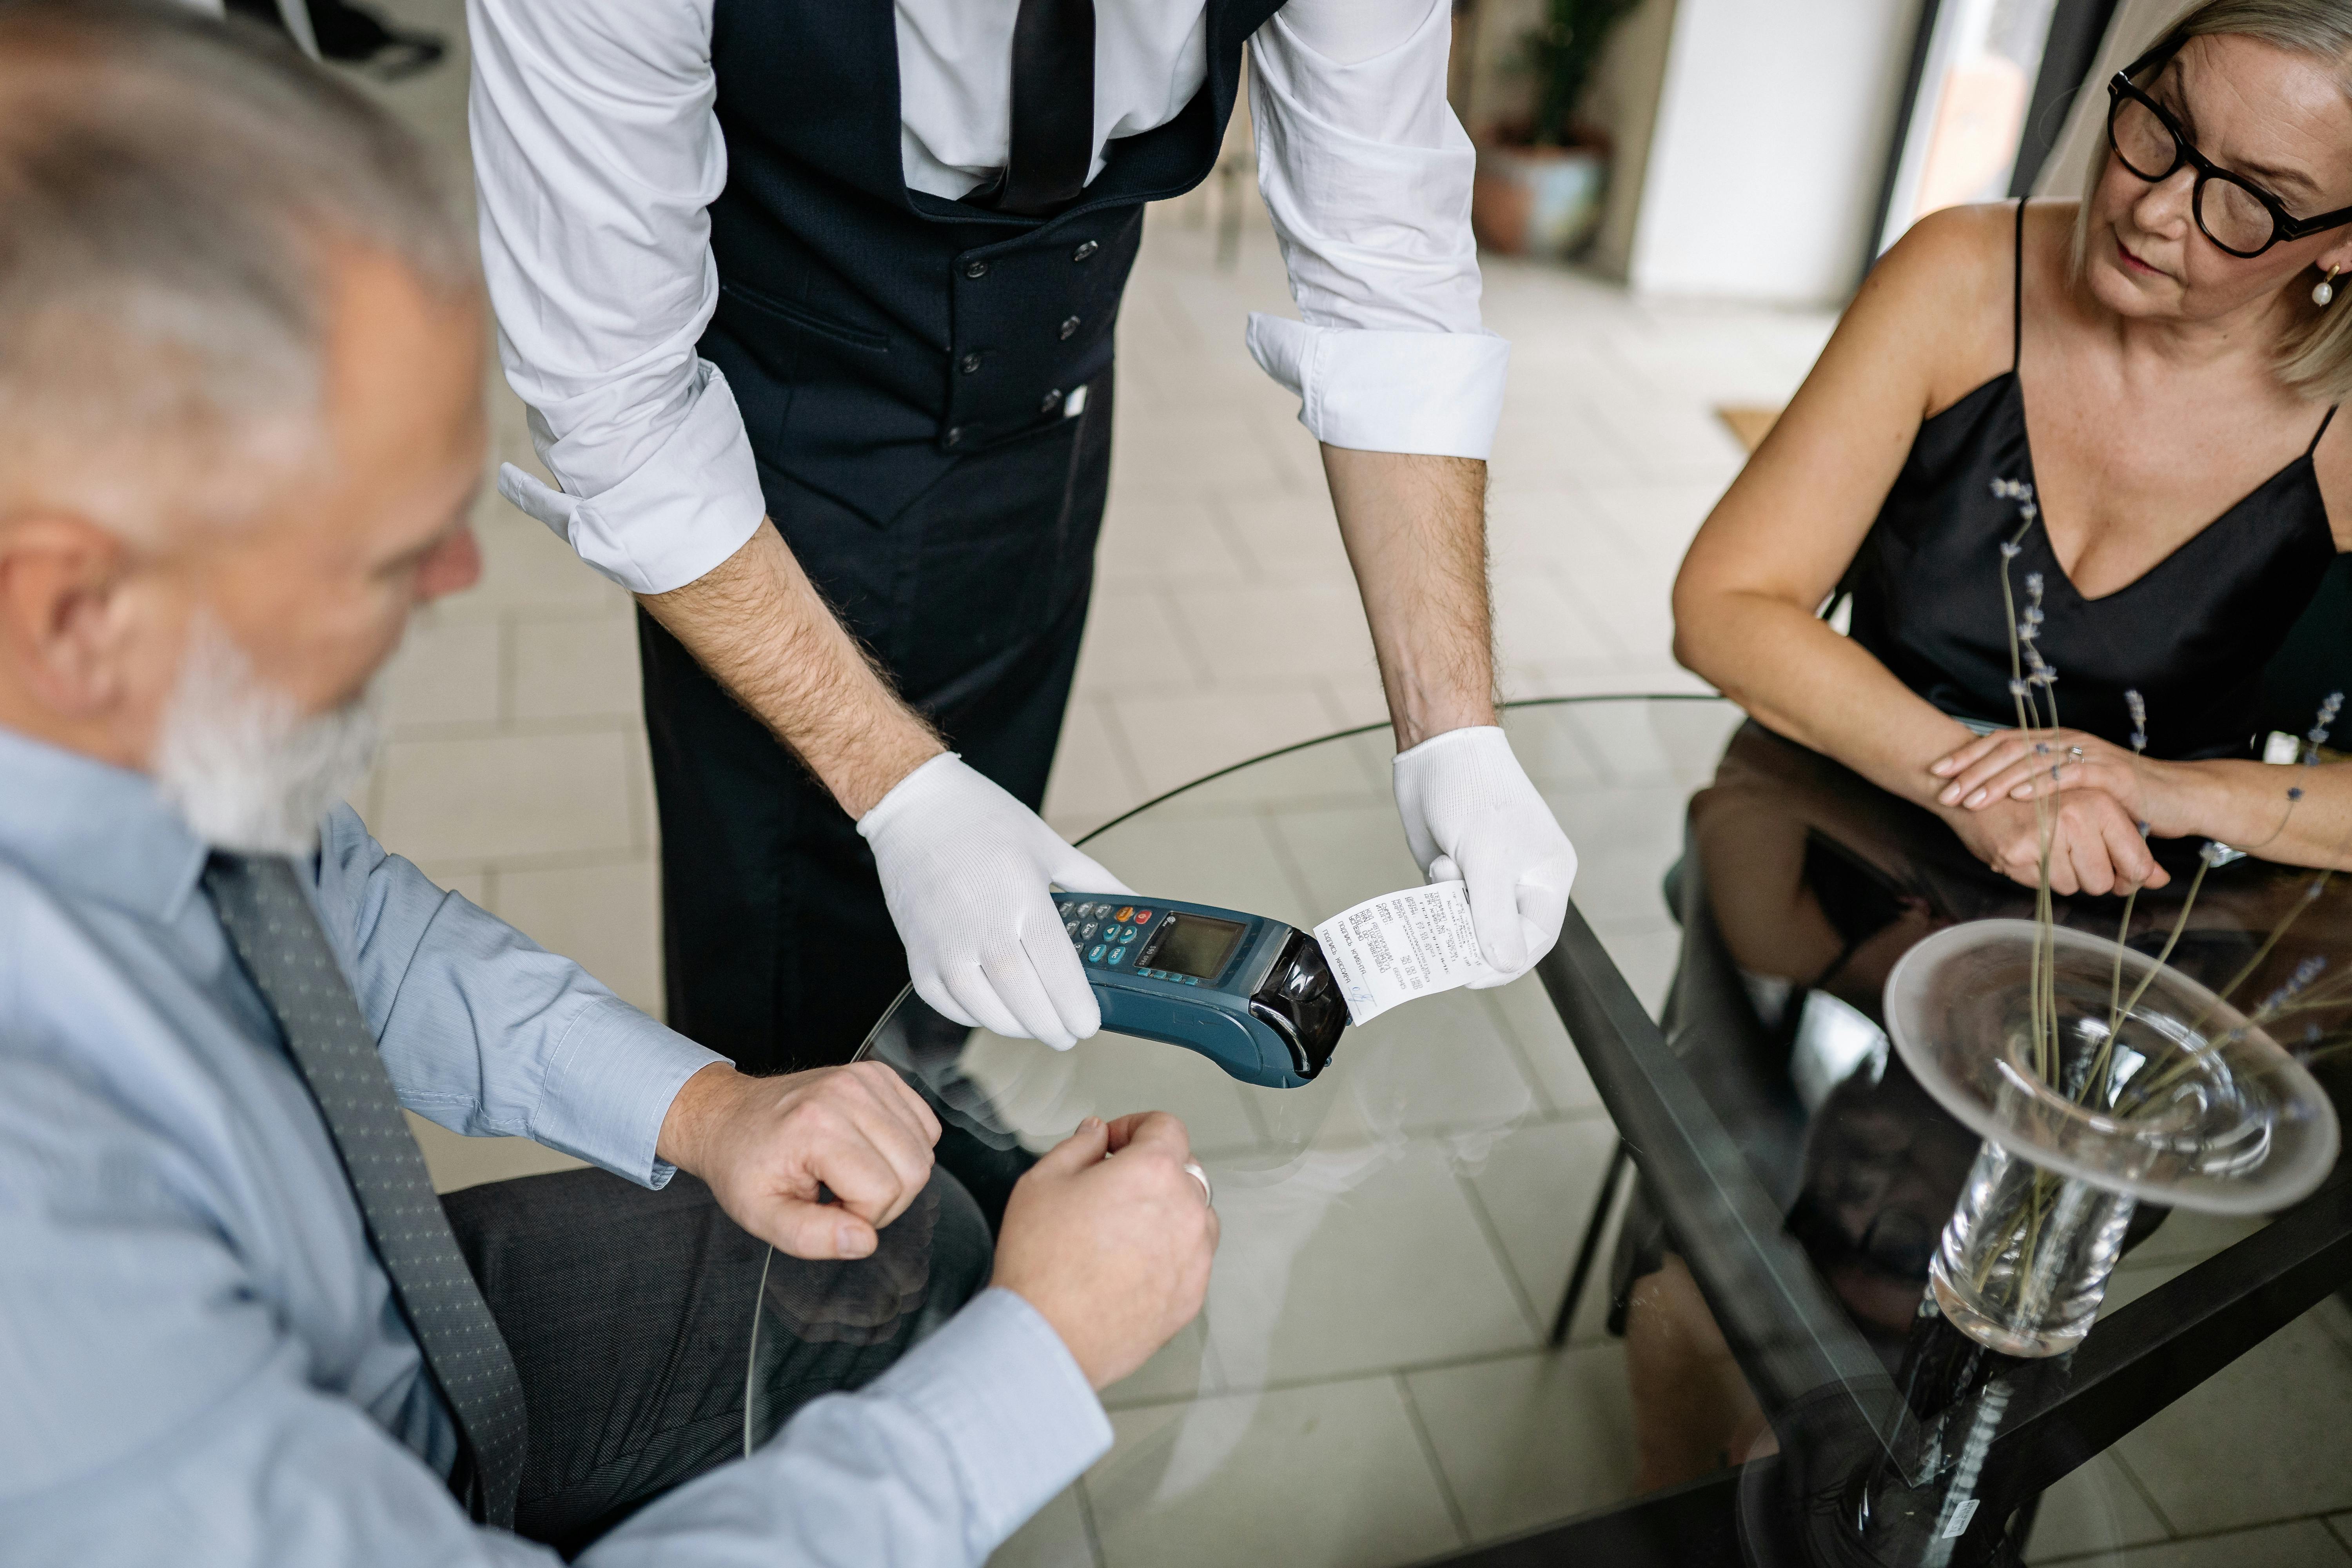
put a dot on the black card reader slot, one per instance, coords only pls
(1300, 1001)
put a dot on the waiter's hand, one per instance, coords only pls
(1470, 814)
(966, 869)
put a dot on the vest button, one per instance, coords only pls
(975, 269)
(1086, 248)
(1069, 326)
(1053, 401)
(955, 434)
(968, 365)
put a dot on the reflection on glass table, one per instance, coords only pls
(1740, 1370)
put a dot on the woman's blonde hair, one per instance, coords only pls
(2314, 356)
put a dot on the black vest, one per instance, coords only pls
(873, 333)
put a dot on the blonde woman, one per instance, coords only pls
(2136, 391)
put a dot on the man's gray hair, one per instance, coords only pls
(170, 187)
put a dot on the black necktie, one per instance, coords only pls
(278, 938)
(1052, 107)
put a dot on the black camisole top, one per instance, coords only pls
(2192, 634)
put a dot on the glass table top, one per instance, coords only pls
(1374, 1379)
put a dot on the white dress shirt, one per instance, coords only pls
(597, 152)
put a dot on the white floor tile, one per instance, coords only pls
(1531, 1439)
(1056, 1537)
(2303, 1544)
(1538, 1185)
(1342, 1261)
(1544, 1045)
(1347, 854)
(1326, 1476)
(576, 668)
(1181, 1369)
(2261, 1439)
(1441, 1063)
(1341, 771)
(1275, 629)
(2094, 1509)
(447, 673)
(1176, 738)
(455, 1160)
(1151, 544)
(1133, 642)
(606, 919)
(505, 797)
(1234, 862)
(1091, 782)
(1285, 539)
(525, 567)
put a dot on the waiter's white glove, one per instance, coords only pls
(965, 870)
(1471, 816)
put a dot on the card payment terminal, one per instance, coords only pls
(1253, 995)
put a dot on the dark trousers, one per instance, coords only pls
(630, 1315)
(781, 953)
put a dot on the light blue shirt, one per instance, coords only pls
(200, 1358)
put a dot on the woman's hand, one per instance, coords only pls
(2015, 765)
(2094, 845)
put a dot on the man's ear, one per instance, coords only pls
(59, 630)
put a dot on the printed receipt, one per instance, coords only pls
(1413, 942)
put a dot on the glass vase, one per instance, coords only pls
(2097, 1079)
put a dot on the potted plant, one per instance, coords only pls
(1539, 183)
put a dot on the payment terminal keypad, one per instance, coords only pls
(1107, 935)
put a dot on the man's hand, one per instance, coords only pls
(965, 870)
(1470, 814)
(1113, 1252)
(764, 1145)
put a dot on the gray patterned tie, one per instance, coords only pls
(277, 937)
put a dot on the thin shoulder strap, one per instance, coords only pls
(2017, 294)
(2324, 421)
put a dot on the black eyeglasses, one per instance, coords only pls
(2234, 213)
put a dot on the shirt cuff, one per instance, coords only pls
(686, 509)
(1007, 1398)
(1434, 393)
(609, 1086)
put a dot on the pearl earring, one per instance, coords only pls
(2325, 289)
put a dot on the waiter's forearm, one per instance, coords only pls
(758, 624)
(1415, 529)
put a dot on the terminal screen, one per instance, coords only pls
(1196, 945)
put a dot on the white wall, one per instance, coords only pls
(2134, 28)
(1772, 139)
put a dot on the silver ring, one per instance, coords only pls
(1208, 1192)
(2075, 754)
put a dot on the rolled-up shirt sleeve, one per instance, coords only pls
(1367, 174)
(597, 155)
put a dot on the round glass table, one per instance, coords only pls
(1624, 1262)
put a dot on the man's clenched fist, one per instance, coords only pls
(1109, 1237)
(764, 1145)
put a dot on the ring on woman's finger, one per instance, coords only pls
(1208, 1192)
(2074, 753)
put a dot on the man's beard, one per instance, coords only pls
(247, 770)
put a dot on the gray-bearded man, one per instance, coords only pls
(241, 367)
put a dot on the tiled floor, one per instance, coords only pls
(1314, 1416)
